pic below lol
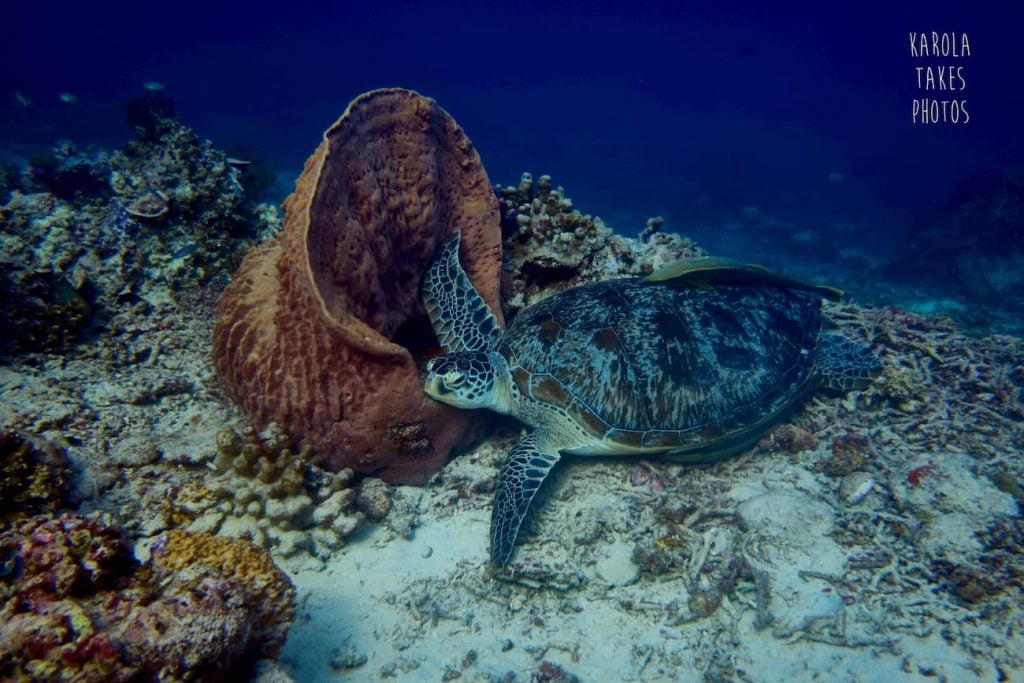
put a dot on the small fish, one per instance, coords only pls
(186, 250)
(67, 98)
(154, 86)
(22, 99)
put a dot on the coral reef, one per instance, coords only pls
(43, 306)
(653, 227)
(8, 179)
(78, 606)
(550, 245)
(262, 492)
(881, 530)
(268, 594)
(34, 476)
(254, 170)
(320, 330)
(88, 233)
(549, 233)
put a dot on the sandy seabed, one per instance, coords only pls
(874, 536)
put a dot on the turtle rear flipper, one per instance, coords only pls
(458, 313)
(844, 365)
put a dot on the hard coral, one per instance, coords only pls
(40, 310)
(69, 555)
(267, 593)
(264, 493)
(33, 476)
(76, 605)
(550, 245)
(91, 233)
(318, 330)
(548, 232)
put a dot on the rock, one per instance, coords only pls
(374, 499)
(616, 565)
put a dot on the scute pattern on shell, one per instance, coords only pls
(661, 360)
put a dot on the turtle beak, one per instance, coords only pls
(434, 386)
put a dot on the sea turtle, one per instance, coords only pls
(694, 362)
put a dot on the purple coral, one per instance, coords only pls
(77, 605)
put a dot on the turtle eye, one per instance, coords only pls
(454, 379)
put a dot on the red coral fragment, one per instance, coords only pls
(914, 475)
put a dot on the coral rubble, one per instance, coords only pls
(320, 330)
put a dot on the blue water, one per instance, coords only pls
(801, 115)
(782, 135)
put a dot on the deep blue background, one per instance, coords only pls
(690, 113)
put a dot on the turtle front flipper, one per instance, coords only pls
(520, 478)
(461, 319)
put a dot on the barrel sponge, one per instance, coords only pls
(318, 330)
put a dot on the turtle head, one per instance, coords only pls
(464, 380)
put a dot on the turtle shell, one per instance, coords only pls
(666, 368)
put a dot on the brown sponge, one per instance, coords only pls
(322, 330)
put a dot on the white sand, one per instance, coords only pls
(425, 608)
